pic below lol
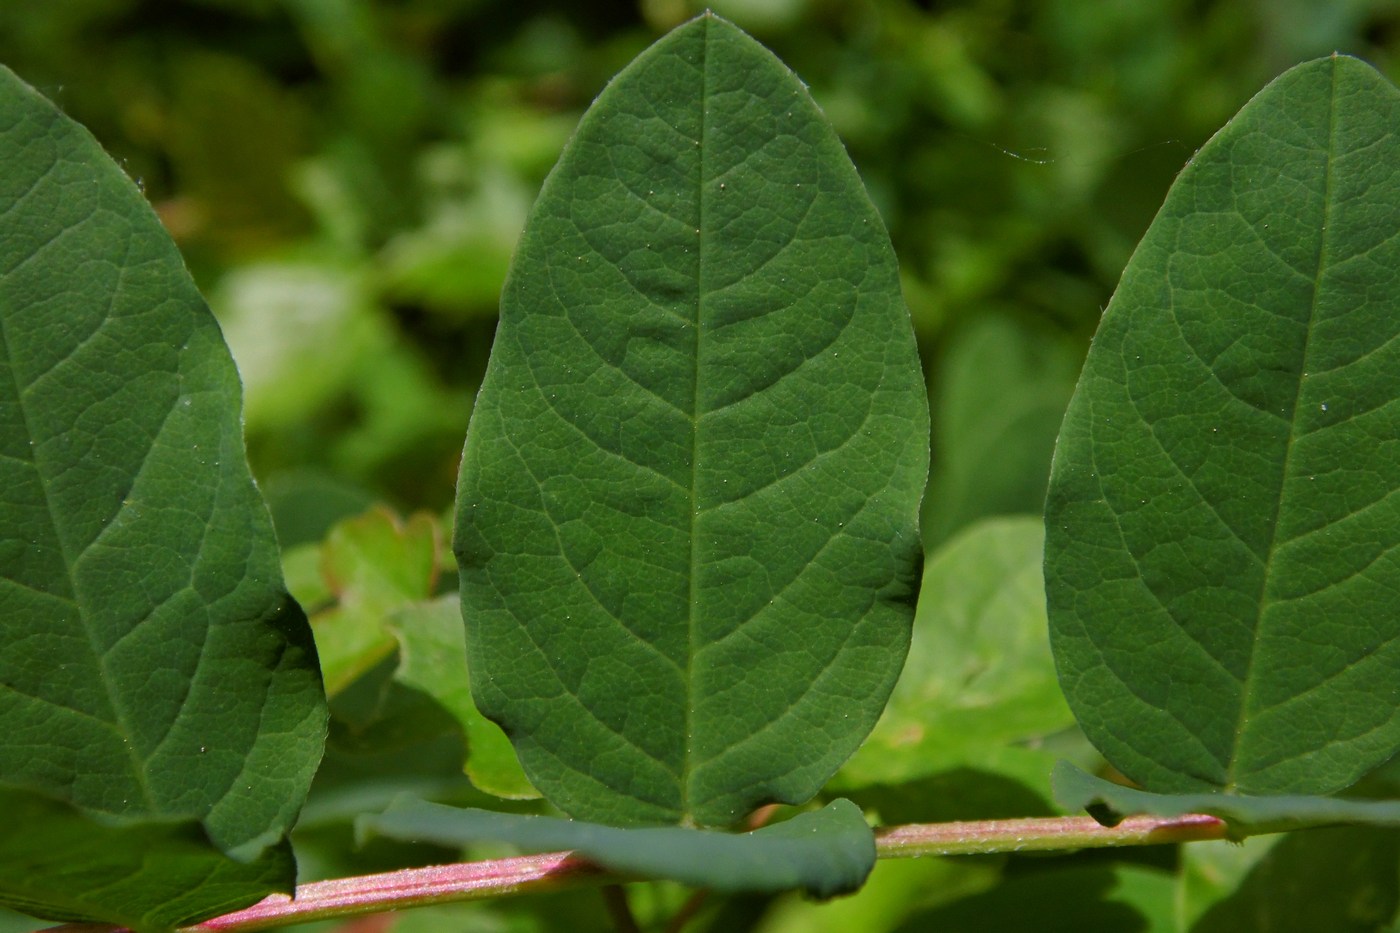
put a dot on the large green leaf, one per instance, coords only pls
(151, 665)
(1223, 517)
(687, 524)
(824, 852)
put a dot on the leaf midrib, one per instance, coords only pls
(1263, 601)
(688, 753)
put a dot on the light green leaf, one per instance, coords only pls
(979, 676)
(374, 564)
(1223, 518)
(152, 668)
(1246, 815)
(687, 517)
(433, 660)
(825, 852)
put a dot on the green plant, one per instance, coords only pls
(703, 431)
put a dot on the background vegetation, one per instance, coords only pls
(347, 179)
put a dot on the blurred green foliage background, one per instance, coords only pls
(347, 179)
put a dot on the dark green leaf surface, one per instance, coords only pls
(687, 520)
(1109, 803)
(826, 852)
(1223, 517)
(142, 873)
(151, 665)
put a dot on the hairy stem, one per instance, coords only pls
(417, 887)
(1041, 834)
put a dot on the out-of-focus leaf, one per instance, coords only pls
(433, 660)
(232, 135)
(999, 394)
(979, 678)
(1342, 879)
(825, 852)
(153, 670)
(374, 565)
(306, 504)
(1211, 871)
(688, 502)
(455, 263)
(895, 888)
(1121, 898)
(1009, 784)
(1223, 520)
(278, 318)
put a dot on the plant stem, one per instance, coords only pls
(533, 874)
(1041, 834)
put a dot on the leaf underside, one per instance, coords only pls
(825, 852)
(1223, 524)
(687, 515)
(1246, 815)
(152, 667)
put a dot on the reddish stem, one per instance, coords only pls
(417, 887)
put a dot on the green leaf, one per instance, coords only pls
(1246, 815)
(999, 396)
(374, 565)
(152, 667)
(687, 516)
(1223, 517)
(142, 873)
(1209, 872)
(895, 888)
(1342, 879)
(433, 660)
(979, 675)
(1058, 899)
(825, 852)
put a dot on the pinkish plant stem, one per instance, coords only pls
(1041, 834)
(417, 887)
